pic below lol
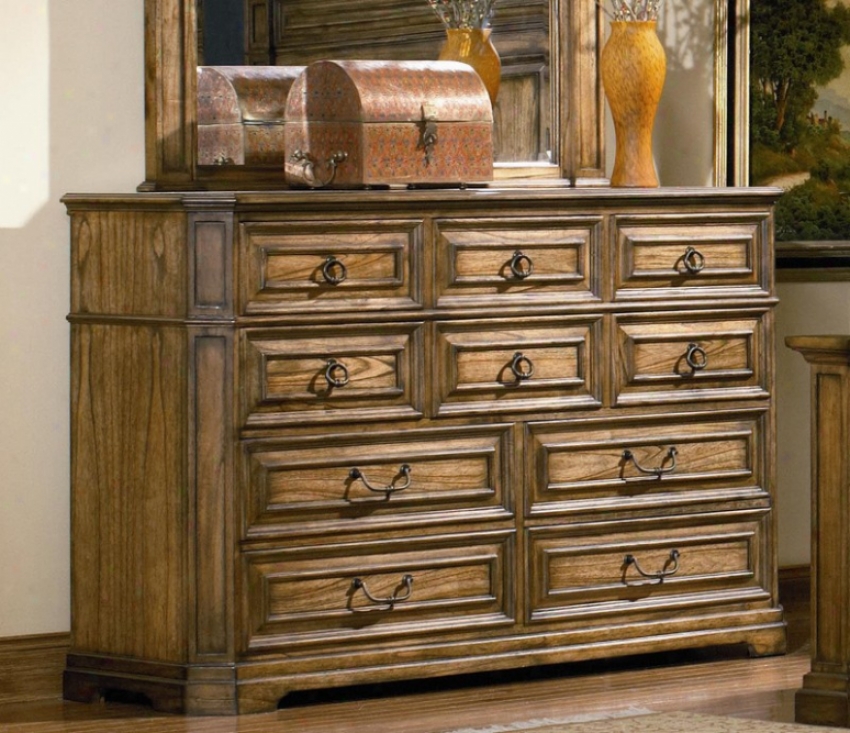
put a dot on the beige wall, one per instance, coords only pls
(804, 308)
(73, 121)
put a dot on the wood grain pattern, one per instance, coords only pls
(31, 668)
(128, 510)
(219, 523)
(705, 681)
(823, 698)
(144, 275)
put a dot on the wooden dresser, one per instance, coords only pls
(321, 438)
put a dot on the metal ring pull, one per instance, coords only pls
(671, 567)
(671, 456)
(404, 470)
(696, 357)
(406, 589)
(522, 366)
(521, 265)
(693, 260)
(334, 367)
(308, 165)
(333, 265)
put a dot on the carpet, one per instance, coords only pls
(656, 723)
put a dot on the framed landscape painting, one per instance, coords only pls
(799, 116)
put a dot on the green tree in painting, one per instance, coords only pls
(796, 47)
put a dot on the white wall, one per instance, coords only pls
(72, 120)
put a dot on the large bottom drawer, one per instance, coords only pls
(379, 592)
(662, 566)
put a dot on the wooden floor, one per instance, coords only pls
(718, 681)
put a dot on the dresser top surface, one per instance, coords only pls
(601, 196)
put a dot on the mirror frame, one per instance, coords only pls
(171, 90)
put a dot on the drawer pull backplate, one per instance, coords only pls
(671, 567)
(522, 366)
(693, 260)
(696, 357)
(334, 271)
(402, 593)
(521, 265)
(336, 373)
(660, 470)
(404, 471)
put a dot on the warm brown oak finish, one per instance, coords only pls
(824, 698)
(432, 456)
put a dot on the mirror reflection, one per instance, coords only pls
(297, 32)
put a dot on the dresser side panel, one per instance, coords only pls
(129, 263)
(129, 513)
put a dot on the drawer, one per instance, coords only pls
(528, 261)
(666, 568)
(646, 464)
(344, 483)
(372, 593)
(329, 374)
(684, 255)
(497, 366)
(691, 357)
(331, 266)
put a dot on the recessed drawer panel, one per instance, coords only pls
(525, 260)
(416, 477)
(646, 464)
(301, 375)
(678, 254)
(331, 266)
(500, 366)
(691, 357)
(371, 593)
(664, 568)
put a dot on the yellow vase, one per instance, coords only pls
(473, 46)
(633, 67)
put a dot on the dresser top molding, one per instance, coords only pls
(356, 198)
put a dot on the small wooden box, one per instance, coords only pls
(241, 114)
(374, 123)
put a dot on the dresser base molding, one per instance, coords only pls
(254, 687)
(192, 690)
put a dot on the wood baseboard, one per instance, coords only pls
(31, 667)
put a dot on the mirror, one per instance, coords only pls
(549, 121)
(296, 32)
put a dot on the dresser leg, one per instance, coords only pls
(767, 645)
(202, 690)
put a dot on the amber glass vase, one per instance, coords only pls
(633, 67)
(473, 46)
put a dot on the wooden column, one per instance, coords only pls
(825, 696)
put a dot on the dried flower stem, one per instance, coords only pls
(464, 13)
(633, 9)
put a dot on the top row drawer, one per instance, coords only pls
(371, 265)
